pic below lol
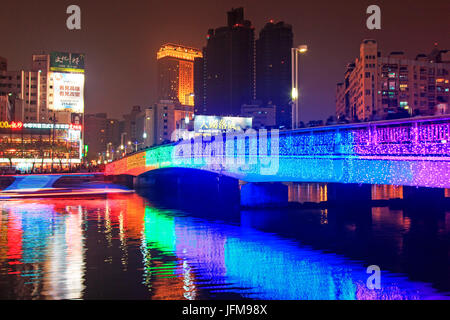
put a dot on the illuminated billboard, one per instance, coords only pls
(68, 89)
(67, 62)
(214, 124)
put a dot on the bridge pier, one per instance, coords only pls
(264, 194)
(421, 196)
(349, 194)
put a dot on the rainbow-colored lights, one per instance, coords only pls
(413, 152)
(58, 249)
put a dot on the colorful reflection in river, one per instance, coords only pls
(122, 247)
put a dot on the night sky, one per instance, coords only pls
(121, 38)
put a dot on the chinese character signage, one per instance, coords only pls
(11, 125)
(68, 92)
(215, 125)
(67, 62)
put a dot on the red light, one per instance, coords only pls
(16, 125)
(75, 127)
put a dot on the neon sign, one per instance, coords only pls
(18, 125)
(11, 125)
(76, 127)
(45, 126)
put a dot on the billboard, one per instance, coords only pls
(67, 62)
(215, 124)
(68, 92)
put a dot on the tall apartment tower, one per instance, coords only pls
(29, 91)
(199, 86)
(176, 73)
(229, 67)
(379, 87)
(273, 69)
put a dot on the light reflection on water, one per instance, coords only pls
(123, 247)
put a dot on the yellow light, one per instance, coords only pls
(179, 52)
(302, 48)
(294, 94)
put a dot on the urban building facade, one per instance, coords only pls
(5, 108)
(48, 95)
(199, 86)
(51, 90)
(274, 69)
(103, 136)
(31, 88)
(229, 67)
(96, 135)
(379, 87)
(41, 147)
(168, 117)
(176, 73)
(264, 116)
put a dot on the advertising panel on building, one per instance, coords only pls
(68, 91)
(67, 62)
(35, 146)
(214, 125)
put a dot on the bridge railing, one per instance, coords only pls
(416, 138)
(419, 137)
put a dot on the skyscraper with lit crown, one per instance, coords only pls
(176, 73)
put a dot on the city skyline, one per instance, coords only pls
(224, 152)
(320, 27)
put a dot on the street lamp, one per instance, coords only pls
(121, 139)
(294, 80)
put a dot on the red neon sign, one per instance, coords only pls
(16, 125)
(11, 125)
(75, 127)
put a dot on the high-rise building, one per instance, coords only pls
(103, 136)
(176, 73)
(199, 86)
(113, 131)
(29, 87)
(379, 87)
(229, 67)
(5, 108)
(95, 135)
(157, 124)
(263, 116)
(273, 69)
(52, 90)
(130, 128)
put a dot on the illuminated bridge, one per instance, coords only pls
(408, 152)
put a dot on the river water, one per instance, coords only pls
(132, 247)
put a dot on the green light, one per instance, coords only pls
(159, 230)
